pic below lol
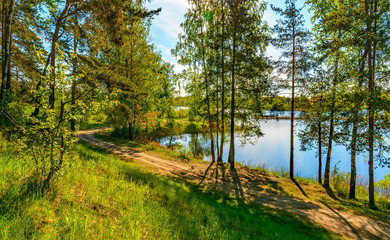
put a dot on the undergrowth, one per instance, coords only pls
(99, 196)
(339, 183)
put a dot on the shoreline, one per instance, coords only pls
(282, 118)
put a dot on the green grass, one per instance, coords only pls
(99, 196)
(339, 182)
(338, 196)
(92, 124)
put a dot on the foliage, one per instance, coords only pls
(219, 74)
(92, 62)
(45, 137)
(349, 42)
(383, 187)
(292, 38)
(141, 97)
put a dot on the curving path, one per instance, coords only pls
(255, 187)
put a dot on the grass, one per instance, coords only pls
(91, 124)
(339, 181)
(99, 196)
(337, 197)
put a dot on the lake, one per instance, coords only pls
(272, 151)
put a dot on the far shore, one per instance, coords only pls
(282, 117)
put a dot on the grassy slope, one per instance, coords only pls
(100, 196)
(314, 190)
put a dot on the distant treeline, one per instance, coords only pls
(278, 103)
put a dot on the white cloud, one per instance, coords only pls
(170, 17)
(273, 52)
(166, 27)
(179, 68)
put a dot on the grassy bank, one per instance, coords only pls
(98, 196)
(337, 196)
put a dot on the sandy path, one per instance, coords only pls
(254, 187)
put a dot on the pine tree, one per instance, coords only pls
(292, 37)
(8, 17)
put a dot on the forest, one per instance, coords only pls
(101, 137)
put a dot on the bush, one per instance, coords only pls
(191, 128)
(181, 113)
(183, 153)
(192, 114)
(382, 187)
(340, 181)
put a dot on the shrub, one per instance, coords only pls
(340, 181)
(181, 113)
(183, 153)
(382, 187)
(191, 128)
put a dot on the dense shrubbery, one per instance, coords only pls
(181, 114)
(383, 188)
(340, 182)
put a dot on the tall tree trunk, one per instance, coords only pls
(7, 48)
(292, 110)
(371, 85)
(220, 155)
(331, 126)
(53, 54)
(212, 148)
(217, 116)
(130, 75)
(74, 82)
(329, 152)
(3, 44)
(8, 85)
(130, 130)
(212, 143)
(232, 107)
(319, 153)
(355, 120)
(134, 129)
(320, 140)
(3, 27)
(210, 122)
(352, 181)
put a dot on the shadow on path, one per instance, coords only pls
(259, 188)
(237, 184)
(344, 220)
(331, 194)
(299, 187)
(206, 172)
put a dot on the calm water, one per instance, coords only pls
(272, 151)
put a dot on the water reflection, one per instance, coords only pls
(272, 151)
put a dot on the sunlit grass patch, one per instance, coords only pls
(100, 196)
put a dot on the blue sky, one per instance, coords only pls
(166, 27)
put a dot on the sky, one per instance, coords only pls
(166, 26)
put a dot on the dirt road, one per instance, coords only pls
(255, 187)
